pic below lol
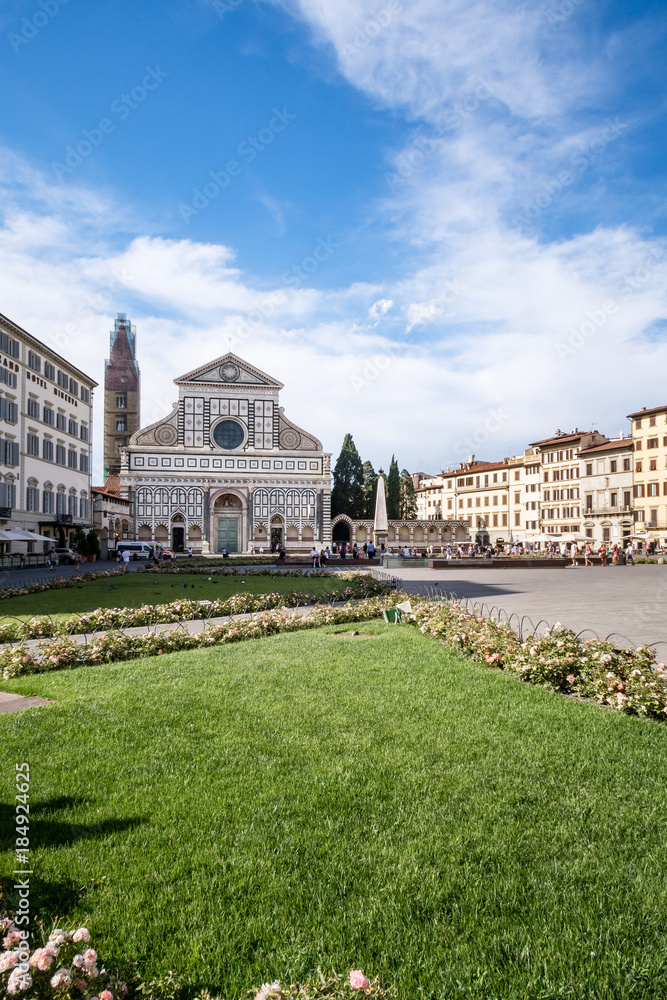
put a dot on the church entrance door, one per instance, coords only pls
(276, 538)
(178, 539)
(228, 534)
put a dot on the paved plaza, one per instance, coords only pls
(629, 601)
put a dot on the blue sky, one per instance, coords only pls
(441, 225)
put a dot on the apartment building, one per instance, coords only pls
(607, 491)
(649, 437)
(45, 435)
(561, 513)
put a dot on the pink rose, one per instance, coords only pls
(358, 980)
(83, 934)
(61, 978)
(106, 995)
(8, 960)
(12, 938)
(81, 985)
(41, 959)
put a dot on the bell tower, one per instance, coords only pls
(122, 390)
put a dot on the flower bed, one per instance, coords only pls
(627, 680)
(65, 969)
(103, 619)
(61, 654)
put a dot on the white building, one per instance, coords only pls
(606, 487)
(227, 469)
(45, 434)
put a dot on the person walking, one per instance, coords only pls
(629, 554)
(370, 550)
(77, 561)
(126, 560)
(573, 553)
(53, 560)
(588, 552)
(603, 554)
(614, 557)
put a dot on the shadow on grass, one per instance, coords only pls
(48, 832)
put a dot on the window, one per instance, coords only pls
(85, 396)
(34, 362)
(495, 477)
(517, 520)
(653, 490)
(638, 466)
(639, 515)
(229, 435)
(638, 422)
(8, 411)
(61, 454)
(9, 452)
(449, 505)
(460, 502)
(627, 465)
(653, 465)
(469, 501)
(478, 501)
(638, 446)
(33, 408)
(654, 515)
(63, 380)
(60, 503)
(614, 499)
(589, 501)
(47, 450)
(48, 416)
(639, 490)
(9, 378)
(517, 475)
(32, 498)
(73, 428)
(477, 481)
(48, 501)
(8, 345)
(504, 477)
(614, 465)
(652, 442)
(606, 534)
(517, 498)
(7, 495)
(495, 501)
(651, 421)
(83, 506)
(61, 422)
(121, 401)
(627, 498)
(486, 501)
(83, 463)
(73, 387)
(71, 459)
(84, 433)
(71, 505)
(32, 445)
(495, 520)
(49, 371)
(121, 425)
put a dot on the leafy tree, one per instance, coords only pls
(408, 497)
(393, 491)
(80, 541)
(93, 543)
(370, 489)
(347, 495)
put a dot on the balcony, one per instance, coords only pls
(606, 511)
(64, 518)
(5, 513)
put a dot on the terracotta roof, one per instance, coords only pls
(609, 446)
(478, 467)
(109, 493)
(647, 413)
(563, 438)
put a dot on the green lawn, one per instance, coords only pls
(135, 589)
(256, 810)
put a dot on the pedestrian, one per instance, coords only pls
(383, 550)
(614, 557)
(281, 554)
(323, 559)
(370, 550)
(224, 551)
(629, 554)
(355, 551)
(603, 554)
(588, 552)
(190, 552)
(77, 560)
(126, 560)
(53, 560)
(573, 553)
(173, 560)
(343, 549)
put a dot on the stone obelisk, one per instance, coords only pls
(381, 525)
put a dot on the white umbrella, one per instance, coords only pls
(5, 536)
(21, 535)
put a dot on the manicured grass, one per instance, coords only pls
(256, 810)
(136, 589)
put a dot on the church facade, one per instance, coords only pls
(226, 469)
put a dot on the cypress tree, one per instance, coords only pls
(347, 494)
(370, 489)
(393, 491)
(408, 497)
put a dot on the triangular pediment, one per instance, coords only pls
(229, 370)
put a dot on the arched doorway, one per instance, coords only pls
(341, 532)
(277, 533)
(178, 533)
(227, 511)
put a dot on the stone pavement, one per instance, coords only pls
(628, 601)
(17, 702)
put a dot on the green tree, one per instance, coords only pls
(81, 541)
(408, 497)
(347, 494)
(93, 543)
(393, 491)
(370, 489)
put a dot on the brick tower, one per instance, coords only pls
(122, 384)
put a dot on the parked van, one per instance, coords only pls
(137, 550)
